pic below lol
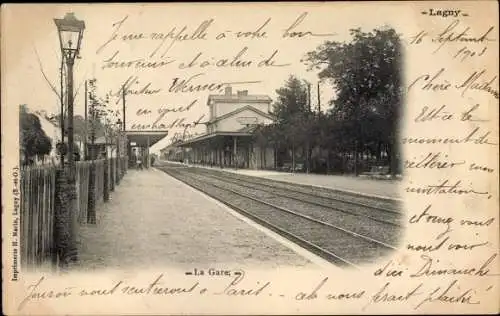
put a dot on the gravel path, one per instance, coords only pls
(385, 188)
(156, 221)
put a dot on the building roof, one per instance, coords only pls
(174, 144)
(248, 107)
(204, 137)
(145, 138)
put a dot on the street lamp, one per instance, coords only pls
(70, 37)
(119, 125)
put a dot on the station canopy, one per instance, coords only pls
(203, 139)
(145, 138)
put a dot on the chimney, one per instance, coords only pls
(242, 93)
(228, 91)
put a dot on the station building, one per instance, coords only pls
(229, 140)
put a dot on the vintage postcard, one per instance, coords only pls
(250, 158)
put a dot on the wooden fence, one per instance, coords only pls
(37, 215)
(38, 194)
(82, 190)
(99, 184)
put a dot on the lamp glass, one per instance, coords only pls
(69, 39)
(70, 31)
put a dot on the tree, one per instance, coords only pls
(292, 99)
(367, 75)
(292, 128)
(97, 110)
(34, 141)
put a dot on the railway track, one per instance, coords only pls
(385, 205)
(363, 225)
(386, 216)
(343, 238)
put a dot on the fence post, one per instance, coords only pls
(122, 168)
(64, 228)
(106, 179)
(118, 170)
(91, 214)
(112, 175)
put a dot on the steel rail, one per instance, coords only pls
(315, 195)
(317, 249)
(235, 181)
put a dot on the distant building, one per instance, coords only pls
(51, 130)
(228, 141)
(234, 112)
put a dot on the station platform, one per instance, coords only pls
(387, 189)
(156, 221)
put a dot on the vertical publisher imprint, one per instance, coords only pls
(15, 224)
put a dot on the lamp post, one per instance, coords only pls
(70, 32)
(70, 37)
(118, 159)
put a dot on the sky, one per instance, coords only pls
(131, 32)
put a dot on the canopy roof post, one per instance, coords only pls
(235, 152)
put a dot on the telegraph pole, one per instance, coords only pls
(85, 151)
(127, 147)
(309, 96)
(319, 101)
(319, 111)
(308, 156)
(123, 109)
